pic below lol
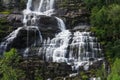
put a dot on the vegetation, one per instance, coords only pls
(105, 22)
(5, 12)
(9, 66)
(115, 73)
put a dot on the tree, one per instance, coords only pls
(115, 72)
(9, 66)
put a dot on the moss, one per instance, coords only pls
(84, 76)
(5, 12)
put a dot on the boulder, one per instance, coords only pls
(24, 38)
(47, 25)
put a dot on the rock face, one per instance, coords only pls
(12, 4)
(48, 26)
(22, 37)
(45, 69)
(13, 19)
(74, 13)
(8, 23)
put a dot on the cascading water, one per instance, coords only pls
(57, 49)
(61, 24)
(8, 40)
(75, 48)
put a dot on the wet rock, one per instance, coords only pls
(82, 27)
(48, 24)
(24, 38)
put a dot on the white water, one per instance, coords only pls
(57, 49)
(40, 6)
(9, 39)
(82, 48)
(61, 24)
(29, 4)
(76, 49)
(45, 7)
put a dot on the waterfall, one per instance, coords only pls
(61, 24)
(45, 7)
(82, 48)
(40, 5)
(57, 49)
(9, 39)
(29, 5)
(77, 48)
(51, 4)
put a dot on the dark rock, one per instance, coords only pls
(47, 69)
(96, 65)
(82, 27)
(48, 26)
(15, 20)
(13, 4)
(24, 38)
(74, 12)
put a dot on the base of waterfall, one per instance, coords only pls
(54, 70)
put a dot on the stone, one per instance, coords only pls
(15, 20)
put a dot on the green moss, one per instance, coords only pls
(5, 12)
(84, 76)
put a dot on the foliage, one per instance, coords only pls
(92, 3)
(9, 66)
(99, 16)
(5, 12)
(115, 73)
(101, 73)
(105, 22)
(84, 76)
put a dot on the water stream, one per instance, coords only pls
(75, 48)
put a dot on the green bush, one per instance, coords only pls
(115, 73)
(9, 66)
